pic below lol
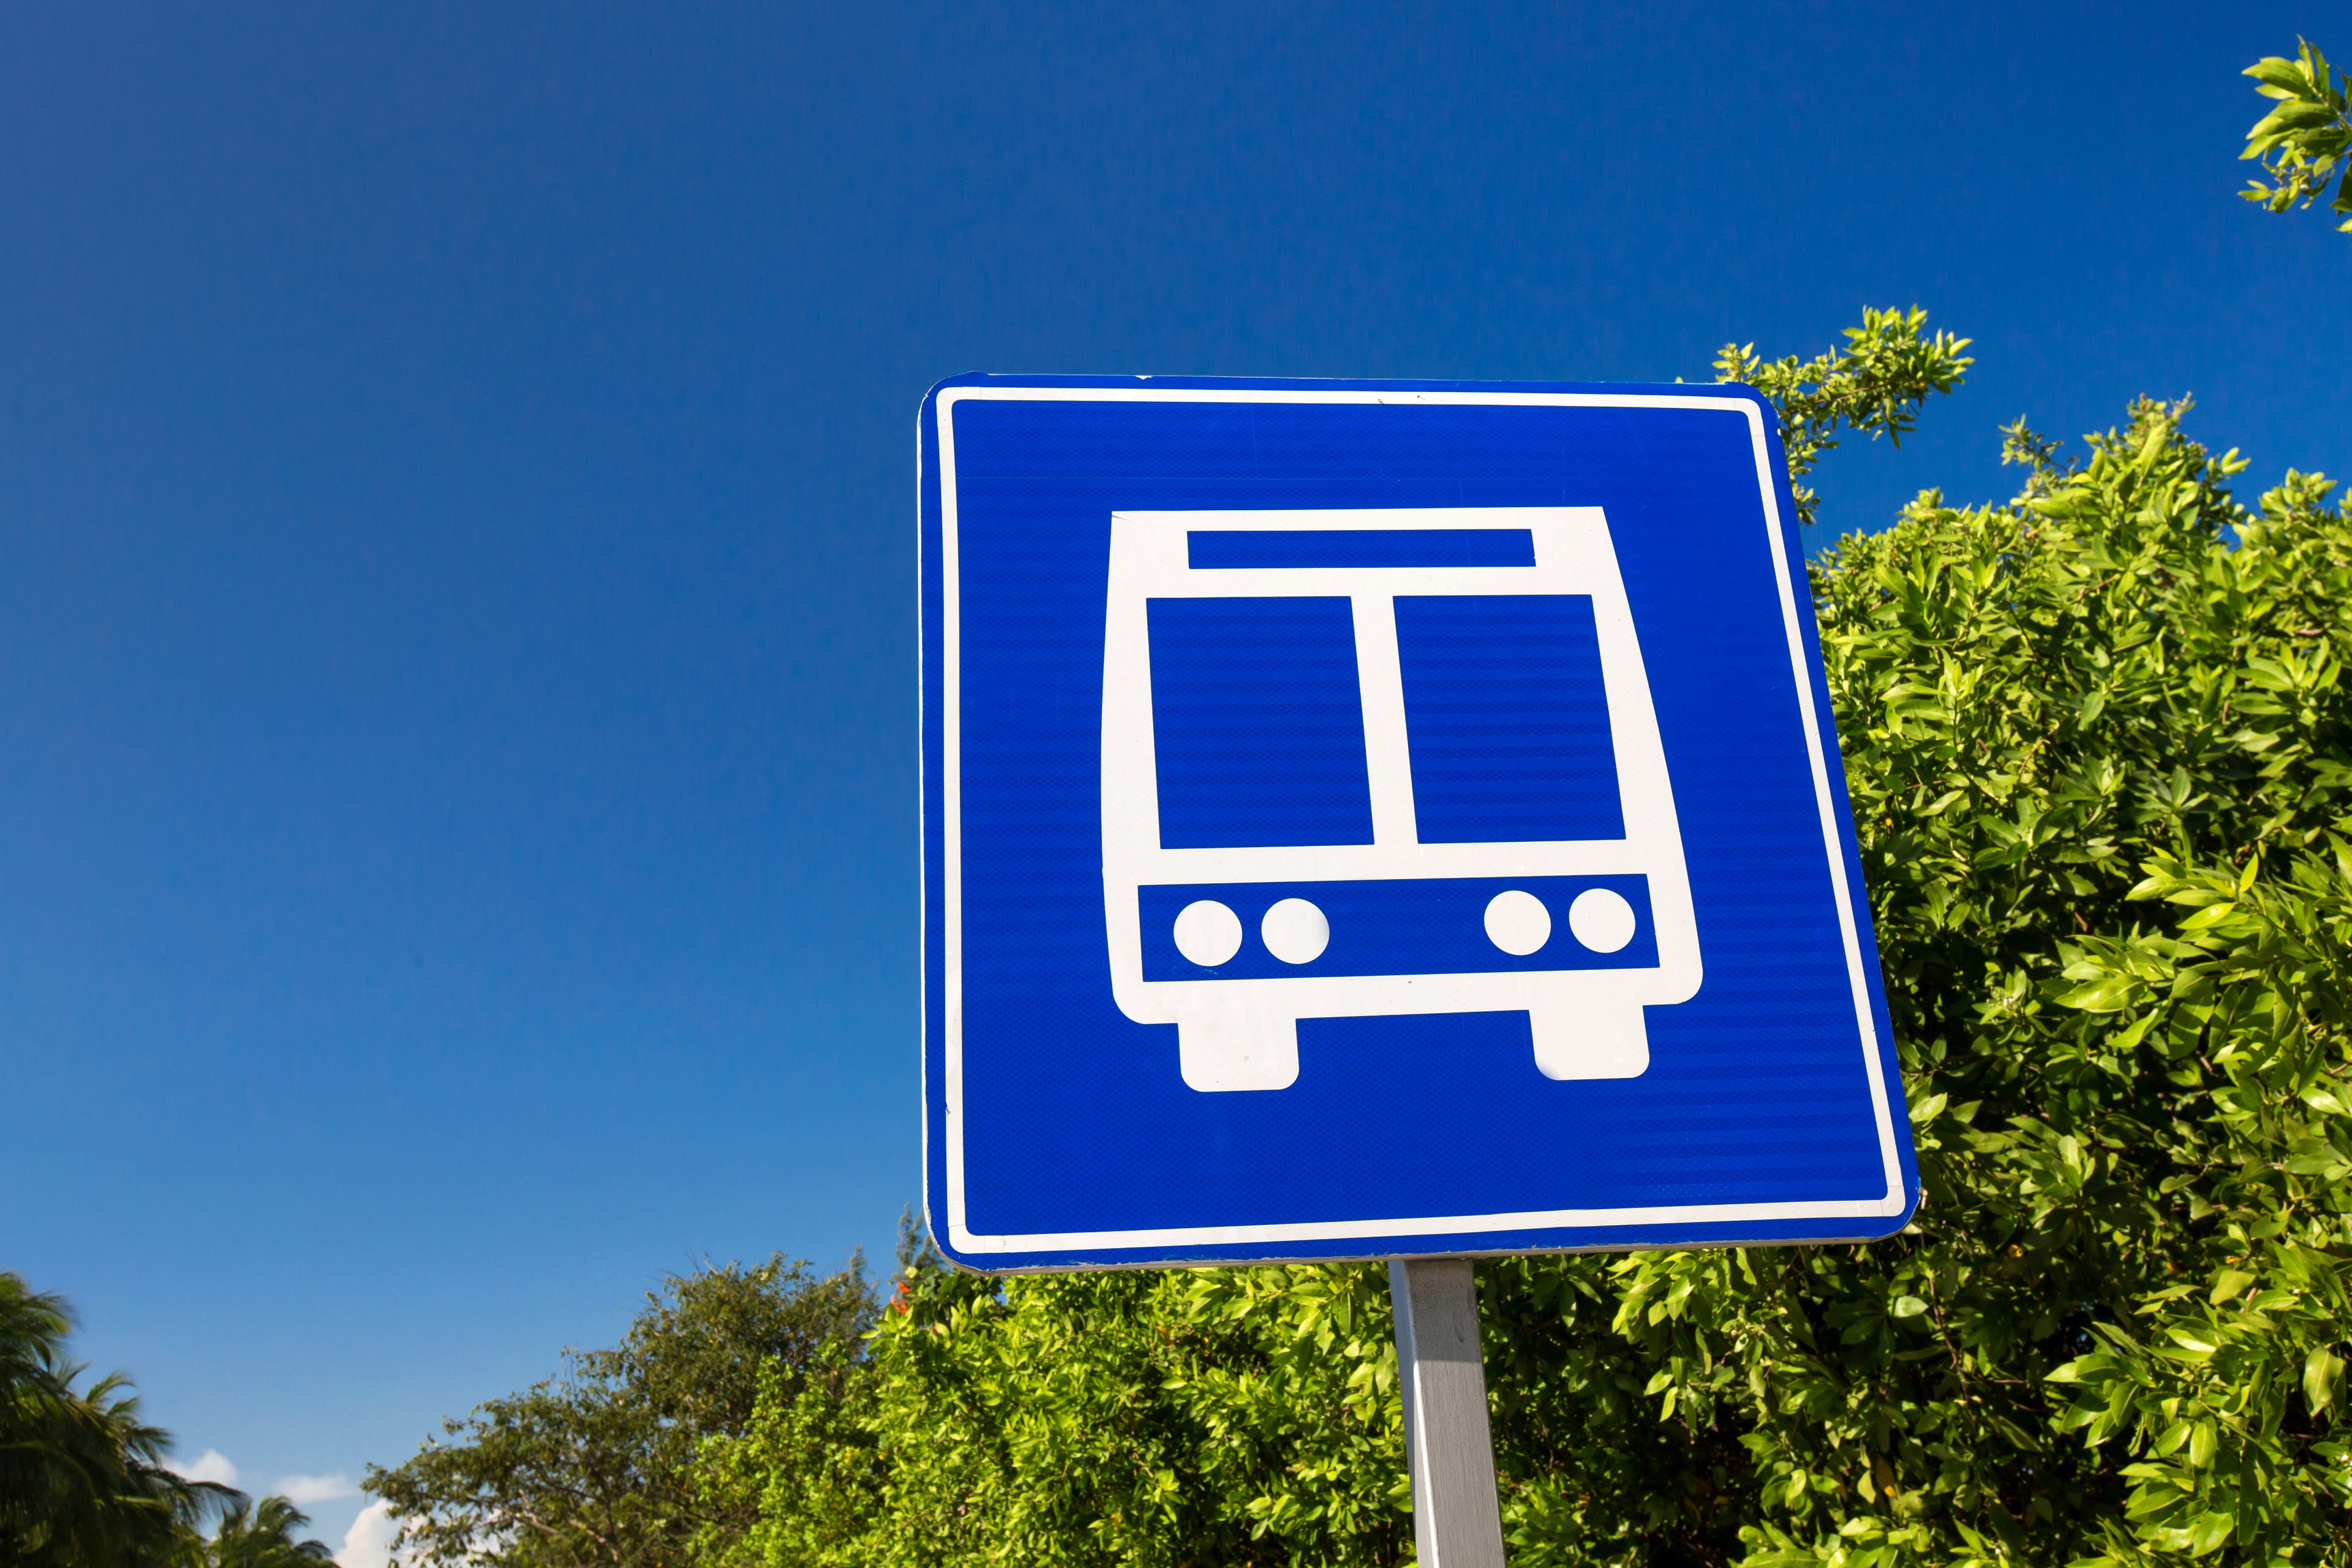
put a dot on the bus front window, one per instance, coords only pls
(1257, 723)
(1507, 718)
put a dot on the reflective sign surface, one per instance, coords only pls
(1382, 819)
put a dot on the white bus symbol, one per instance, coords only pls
(1359, 763)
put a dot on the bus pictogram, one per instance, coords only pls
(1372, 763)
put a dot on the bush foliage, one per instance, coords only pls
(2097, 745)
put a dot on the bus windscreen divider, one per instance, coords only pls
(1211, 549)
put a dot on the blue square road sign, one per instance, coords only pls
(1383, 819)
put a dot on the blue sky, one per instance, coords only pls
(456, 573)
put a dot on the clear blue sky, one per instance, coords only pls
(457, 517)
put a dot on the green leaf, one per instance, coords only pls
(2202, 1442)
(2228, 1282)
(2111, 994)
(2209, 916)
(2322, 1378)
(2211, 1532)
(2298, 114)
(2283, 74)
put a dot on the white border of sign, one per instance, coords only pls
(964, 1239)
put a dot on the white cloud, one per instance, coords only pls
(304, 1491)
(368, 1543)
(212, 1465)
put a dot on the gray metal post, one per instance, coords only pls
(1457, 1521)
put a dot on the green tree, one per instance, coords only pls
(261, 1535)
(595, 1469)
(2301, 142)
(2098, 744)
(83, 1482)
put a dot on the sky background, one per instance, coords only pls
(456, 539)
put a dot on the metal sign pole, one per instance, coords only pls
(1457, 1520)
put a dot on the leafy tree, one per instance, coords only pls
(594, 1468)
(2302, 141)
(2099, 743)
(82, 1479)
(261, 1535)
